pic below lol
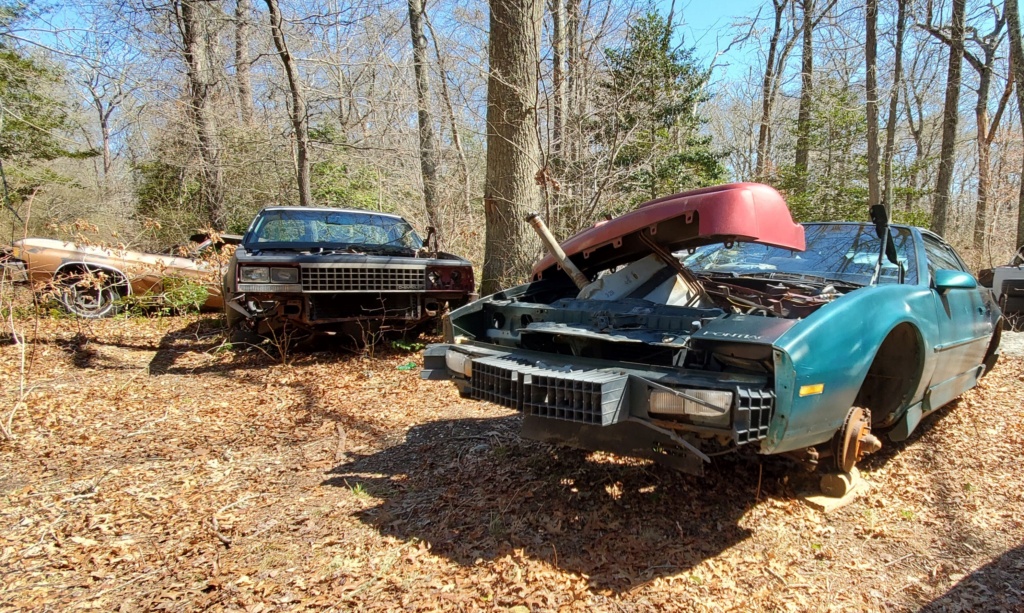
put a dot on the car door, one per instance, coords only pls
(964, 324)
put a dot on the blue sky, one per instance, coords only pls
(706, 25)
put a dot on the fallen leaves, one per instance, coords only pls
(153, 471)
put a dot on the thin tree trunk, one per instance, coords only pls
(894, 96)
(871, 92)
(917, 132)
(298, 106)
(803, 122)
(242, 63)
(192, 27)
(767, 99)
(1012, 13)
(559, 107)
(446, 98)
(986, 129)
(428, 149)
(950, 116)
(558, 73)
(510, 190)
(573, 72)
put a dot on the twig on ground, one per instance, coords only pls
(216, 531)
(897, 560)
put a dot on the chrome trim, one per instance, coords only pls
(262, 288)
(955, 344)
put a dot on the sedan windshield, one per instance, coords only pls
(842, 252)
(324, 228)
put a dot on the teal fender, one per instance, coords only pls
(834, 347)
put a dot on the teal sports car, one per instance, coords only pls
(708, 322)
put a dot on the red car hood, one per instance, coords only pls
(740, 212)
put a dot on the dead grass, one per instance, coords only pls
(155, 470)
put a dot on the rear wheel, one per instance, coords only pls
(91, 295)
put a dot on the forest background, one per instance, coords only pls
(136, 122)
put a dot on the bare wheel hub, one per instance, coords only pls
(854, 440)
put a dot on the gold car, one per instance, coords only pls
(90, 281)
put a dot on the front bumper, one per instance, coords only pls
(581, 395)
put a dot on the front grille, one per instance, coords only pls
(753, 414)
(363, 279)
(589, 397)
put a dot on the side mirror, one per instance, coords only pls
(946, 279)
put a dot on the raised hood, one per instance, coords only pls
(738, 212)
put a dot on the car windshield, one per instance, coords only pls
(325, 228)
(843, 252)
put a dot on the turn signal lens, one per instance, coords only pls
(667, 403)
(811, 390)
(459, 363)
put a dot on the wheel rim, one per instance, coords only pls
(88, 299)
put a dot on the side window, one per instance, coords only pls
(940, 256)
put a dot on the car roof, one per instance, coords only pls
(331, 209)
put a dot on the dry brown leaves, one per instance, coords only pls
(155, 470)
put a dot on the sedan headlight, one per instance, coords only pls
(284, 275)
(713, 409)
(254, 274)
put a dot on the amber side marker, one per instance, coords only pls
(811, 390)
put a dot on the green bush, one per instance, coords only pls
(184, 295)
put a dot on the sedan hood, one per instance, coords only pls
(748, 212)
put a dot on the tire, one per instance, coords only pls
(89, 298)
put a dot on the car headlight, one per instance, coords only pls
(284, 275)
(434, 278)
(254, 274)
(715, 412)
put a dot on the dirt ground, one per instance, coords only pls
(156, 469)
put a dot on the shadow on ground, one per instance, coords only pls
(473, 490)
(997, 586)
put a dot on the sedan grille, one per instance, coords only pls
(362, 279)
(588, 397)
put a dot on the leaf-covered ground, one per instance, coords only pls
(155, 470)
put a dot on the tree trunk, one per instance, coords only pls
(917, 132)
(559, 106)
(558, 73)
(510, 190)
(950, 115)
(192, 27)
(803, 121)
(428, 149)
(446, 97)
(894, 96)
(242, 63)
(298, 106)
(573, 71)
(767, 99)
(871, 93)
(986, 129)
(1017, 60)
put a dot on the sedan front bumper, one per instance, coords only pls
(603, 405)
